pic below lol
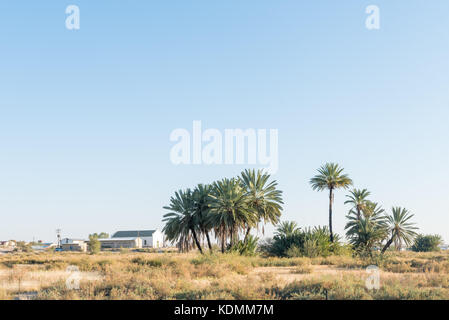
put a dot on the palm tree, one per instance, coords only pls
(373, 209)
(366, 234)
(230, 212)
(367, 230)
(400, 229)
(201, 202)
(181, 221)
(330, 177)
(358, 198)
(176, 231)
(263, 197)
(286, 228)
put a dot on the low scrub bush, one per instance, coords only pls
(311, 242)
(427, 243)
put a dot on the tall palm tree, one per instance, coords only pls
(230, 212)
(358, 199)
(400, 228)
(263, 197)
(201, 197)
(181, 220)
(330, 177)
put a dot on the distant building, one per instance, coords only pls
(134, 239)
(73, 245)
(8, 244)
(150, 238)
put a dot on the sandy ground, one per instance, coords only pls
(31, 281)
(34, 280)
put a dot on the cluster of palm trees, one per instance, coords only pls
(368, 225)
(227, 209)
(230, 208)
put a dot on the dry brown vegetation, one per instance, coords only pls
(127, 275)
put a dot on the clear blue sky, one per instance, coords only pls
(85, 116)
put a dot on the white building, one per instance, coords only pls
(150, 238)
(68, 244)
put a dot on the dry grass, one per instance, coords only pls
(140, 275)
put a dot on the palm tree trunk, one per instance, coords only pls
(232, 236)
(331, 200)
(222, 242)
(196, 240)
(388, 244)
(208, 241)
(247, 234)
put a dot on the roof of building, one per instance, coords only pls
(133, 233)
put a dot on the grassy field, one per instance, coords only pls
(125, 275)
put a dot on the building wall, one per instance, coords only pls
(157, 239)
(147, 242)
(117, 244)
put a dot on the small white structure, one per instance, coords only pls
(74, 245)
(150, 238)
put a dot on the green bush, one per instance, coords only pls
(294, 252)
(94, 245)
(247, 248)
(427, 243)
(310, 242)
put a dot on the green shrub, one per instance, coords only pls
(427, 243)
(94, 245)
(310, 242)
(246, 248)
(294, 252)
